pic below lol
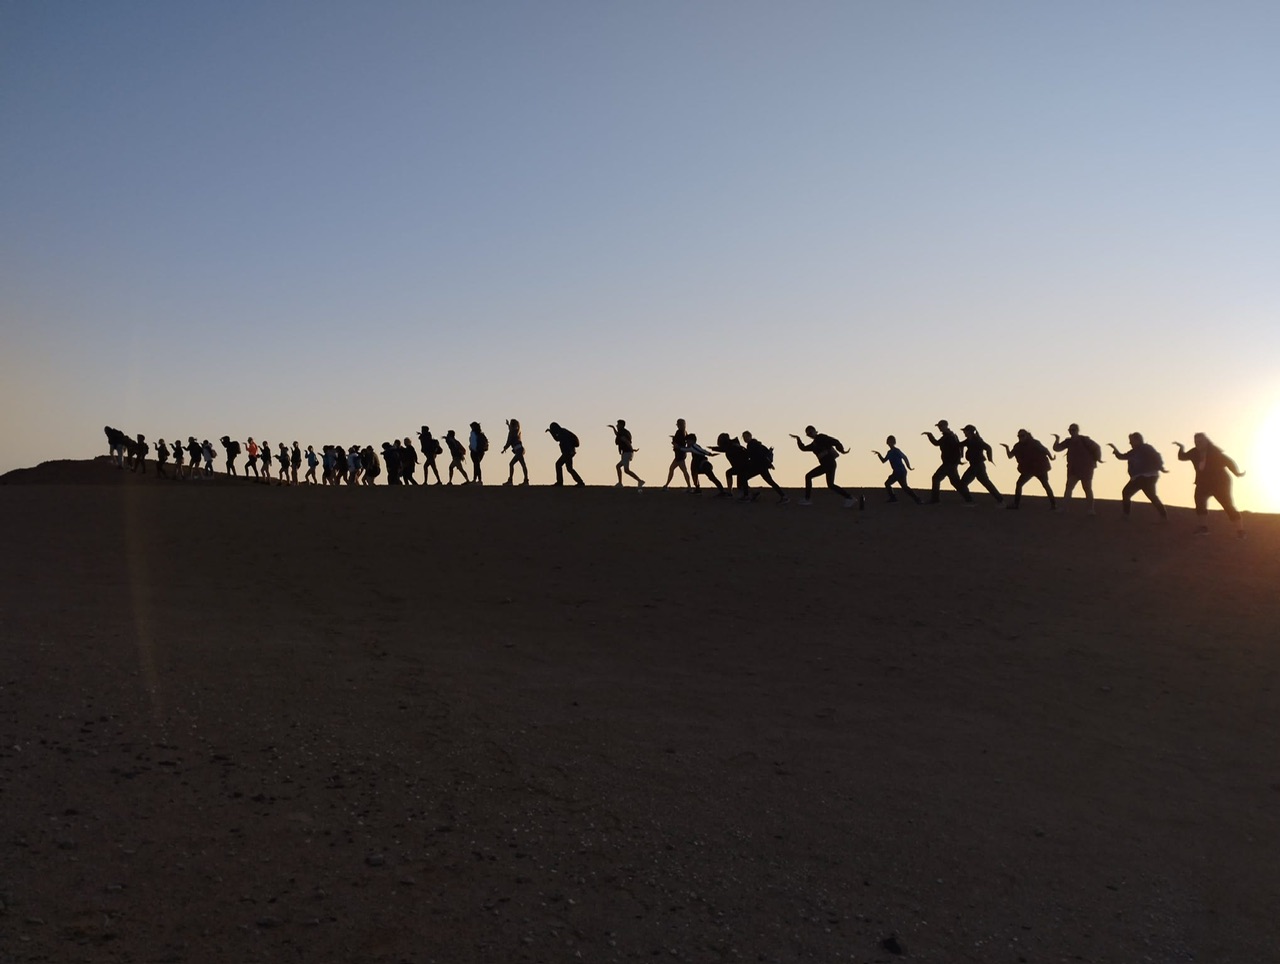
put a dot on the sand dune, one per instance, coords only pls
(247, 723)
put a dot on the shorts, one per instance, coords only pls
(625, 457)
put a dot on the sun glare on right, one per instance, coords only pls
(1265, 461)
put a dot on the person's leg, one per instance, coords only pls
(1086, 484)
(888, 488)
(1201, 499)
(710, 473)
(938, 476)
(809, 476)
(902, 482)
(560, 470)
(1149, 488)
(525, 469)
(1044, 481)
(1223, 495)
(1017, 489)
(953, 477)
(618, 468)
(568, 464)
(782, 496)
(1127, 493)
(988, 484)
(831, 484)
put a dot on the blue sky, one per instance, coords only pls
(335, 222)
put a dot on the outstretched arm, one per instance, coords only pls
(1007, 451)
(1058, 444)
(1232, 467)
(882, 458)
(929, 436)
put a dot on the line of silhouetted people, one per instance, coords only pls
(963, 461)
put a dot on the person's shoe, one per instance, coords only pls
(508, 482)
(525, 482)
(618, 485)
(640, 483)
(579, 484)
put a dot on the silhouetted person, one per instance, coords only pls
(978, 453)
(295, 462)
(899, 466)
(354, 465)
(162, 456)
(568, 443)
(312, 461)
(232, 449)
(736, 455)
(1214, 469)
(1033, 463)
(827, 450)
(622, 439)
(391, 457)
(253, 450)
(700, 463)
(456, 454)
(194, 451)
(679, 445)
(265, 453)
(370, 464)
(478, 445)
(408, 463)
(179, 455)
(431, 448)
(283, 459)
(115, 444)
(759, 463)
(1145, 466)
(209, 453)
(1083, 455)
(516, 444)
(952, 454)
(141, 448)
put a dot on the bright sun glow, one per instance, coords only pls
(1265, 462)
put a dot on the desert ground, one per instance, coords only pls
(241, 722)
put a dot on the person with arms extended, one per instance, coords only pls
(978, 453)
(679, 446)
(1145, 466)
(827, 450)
(759, 462)
(568, 443)
(516, 444)
(162, 456)
(899, 466)
(1033, 463)
(1214, 469)
(456, 454)
(409, 462)
(700, 462)
(622, 439)
(952, 454)
(1083, 455)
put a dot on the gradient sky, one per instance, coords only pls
(334, 222)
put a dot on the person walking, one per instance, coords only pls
(409, 463)
(312, 461)
(899, 466)
(232, 449)
(252, 448)
(626, 450)
(194, 453)
(162, 456)
(283, 459)
(759, 462)
(568, 443)
(295, 461)
(1145, 466)
(827, 450)
(700, 463)
(179, 455)
(516, 444)
(431, 448)
(679, 446)
(952, 454)
(1083, 456)
(1214, 469)
(457, 452)
(978, 453)
(1033, 463)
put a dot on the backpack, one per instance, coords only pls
(482, 442)
(436, 447)
(569, 439)
(233, 449)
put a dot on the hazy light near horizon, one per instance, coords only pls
(334, 224)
